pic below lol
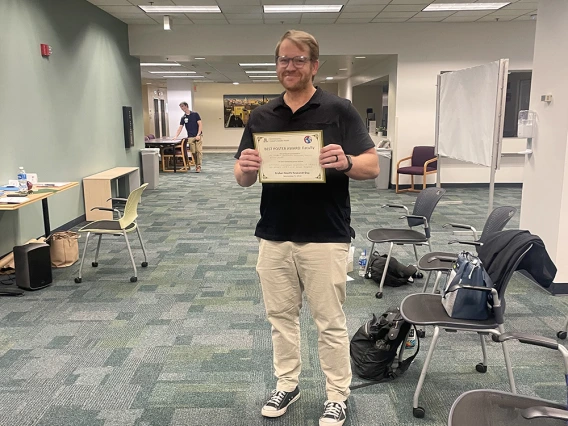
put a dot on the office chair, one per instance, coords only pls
(426, 202)
(484, 407)
(427, 309)
(442, 262)
(125, 224)
(423, 162)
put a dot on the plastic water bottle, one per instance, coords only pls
(362, 263)
(22, 180)
(411, 339)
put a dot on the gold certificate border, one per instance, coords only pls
(318, 134)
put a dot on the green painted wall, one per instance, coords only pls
(62, 117)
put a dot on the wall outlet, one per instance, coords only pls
(546, 98)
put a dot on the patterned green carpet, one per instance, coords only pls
(188, 344)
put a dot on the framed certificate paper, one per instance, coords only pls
(290, 157)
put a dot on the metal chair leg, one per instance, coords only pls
(425, 367)
(142, 244)
(508, 362)
(79, 278)
(427, 282)
(483, 367)
(98, 247)
(379, 295)
(367, 266)
(135, 277)
(415, 252)
(437, 282)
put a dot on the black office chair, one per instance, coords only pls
(484, 407)
(442, 262)
(426, 202)
(426, 309)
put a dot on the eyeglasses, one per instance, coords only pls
(298, 61)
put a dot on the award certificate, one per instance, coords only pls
(290, 157)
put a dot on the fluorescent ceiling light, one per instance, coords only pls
(199, 58)
(360, 57)
(259, 64)
(171, 72)
(302, 8)
(158, 64)
(260, 72)
(180, 9)
(438, 7)
(167, 23)
(183, 76)
(235, 82)
(342, 69)
(329, 78)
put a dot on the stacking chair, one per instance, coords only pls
(442, 262)
(486, 407)
(427, 309)
(425, 204)
(423, 162)
(125, 224)
(177, 153)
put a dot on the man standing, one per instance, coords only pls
(192, 122)
(304, 229)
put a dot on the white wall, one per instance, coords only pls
(423, 49)
(179, 90)
(208, 102)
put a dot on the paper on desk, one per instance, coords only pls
(52, 184)
(14, 200)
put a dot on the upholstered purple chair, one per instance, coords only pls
(423, 162)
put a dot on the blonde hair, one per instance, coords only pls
(301, 39)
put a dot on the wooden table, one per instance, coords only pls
(97, 190)
(164, 143)
(43, 196)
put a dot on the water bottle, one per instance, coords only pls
(22, 180)
(411, 339)
(362, 263)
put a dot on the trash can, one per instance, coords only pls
(385, 157)
(150, 166)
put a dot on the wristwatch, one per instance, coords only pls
(350, 164)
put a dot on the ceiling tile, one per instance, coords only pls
(190, 2)
(307, 19)
(511, 12)
(461, 19)
(433, 14)
(363, 8)
(238, 3)
(241, 9)
(431, 19)
(155, 2)
(281, 21)
(285, 2)
(471, 13)
(421, 2)
(404, 8)
(354, 20)
(317, 15)
(205, 16)
(367, 2)
(521, 5)
(494, 18)
(138, 21)
(110, 2)
(282, 16)
(245, 21)
(386, 20)
(131, 10)
(524, 18)
(317, 2)
(396, 15)
(359, 15)
(241, 16)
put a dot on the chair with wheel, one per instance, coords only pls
(422, 309)
(485, 407)
(442, 262)
(126, 223)
(426, 202)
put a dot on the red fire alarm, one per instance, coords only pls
(45, 49)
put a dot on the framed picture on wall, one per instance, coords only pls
(237, 108)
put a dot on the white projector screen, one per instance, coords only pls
(468, 102)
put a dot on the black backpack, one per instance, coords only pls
(375, 347)
(397, 274)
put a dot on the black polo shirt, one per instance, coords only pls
(190, 121)
(309, 212)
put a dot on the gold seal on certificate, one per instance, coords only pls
(290, 157)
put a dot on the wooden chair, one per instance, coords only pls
(181, 156)
(423, 162)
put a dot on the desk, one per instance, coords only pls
(164, 143)
(43, 197)
(97, 190)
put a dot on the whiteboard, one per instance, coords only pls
(468, 104)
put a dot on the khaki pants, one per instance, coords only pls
(286, 270)
(196, 148)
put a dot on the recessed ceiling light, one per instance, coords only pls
(171, 72)
(342, 69)
(180, 9)
(235, 82)
(302, 8)
(159, 64)
(437, 7)
(329, 78)
(360, 57)
(183, 76)
(167, 23)
(259, 64)
(260, 72)
(199, 58)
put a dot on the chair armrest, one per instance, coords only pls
(106, 209)
(122, 200)
(530, 339)
(430, 161)
(401, 160)
(442, 258)
(462, 226)
(544, 412)
(471, 287)
(413, 216)
(471, 243)
(397, 206)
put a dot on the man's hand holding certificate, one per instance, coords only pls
(290, 157)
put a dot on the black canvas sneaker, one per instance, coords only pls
(334, 414)
(279, 402)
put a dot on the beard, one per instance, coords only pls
(300, 81)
